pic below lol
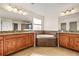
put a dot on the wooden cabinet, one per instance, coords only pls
(69, 40)
(11, 43)
(1, 45)
(64, 40)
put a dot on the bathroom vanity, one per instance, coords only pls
(13, 42)
(69, 40)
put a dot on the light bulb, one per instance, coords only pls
(20, 11)
(9, 8)
(73, 11)
(15, 10)
(62, 14)
(25, 13)
(67, 12)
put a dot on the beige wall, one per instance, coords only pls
(0, 24)
(51, 23)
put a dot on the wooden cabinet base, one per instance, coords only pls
(68, 40)
(18, 51)
(15, 42)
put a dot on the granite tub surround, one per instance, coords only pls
(69, 40)
(46, 32)
(15, 41)
(45, 36)
(46, 39)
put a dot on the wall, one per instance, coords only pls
(0, 24)
(51, 23)
(68, 19)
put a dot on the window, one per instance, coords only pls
(36, 21)
(37, 24)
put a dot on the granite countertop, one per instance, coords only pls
(15, 33)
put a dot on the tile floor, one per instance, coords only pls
(46, 51)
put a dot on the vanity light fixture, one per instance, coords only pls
(15, 10)
(68, 11)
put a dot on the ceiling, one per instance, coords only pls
(47, 9)
(44, 9)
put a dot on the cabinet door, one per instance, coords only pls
(74, 42)
(10, 45)
(64, 40)
(1, 47)
(31, 39)
(27, 40)
(21, 43)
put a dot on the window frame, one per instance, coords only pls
(37, 24)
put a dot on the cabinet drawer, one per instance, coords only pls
(10, 36)
(14, 36)
(31, 34)
(62, 34)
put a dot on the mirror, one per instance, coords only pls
(14, 25)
